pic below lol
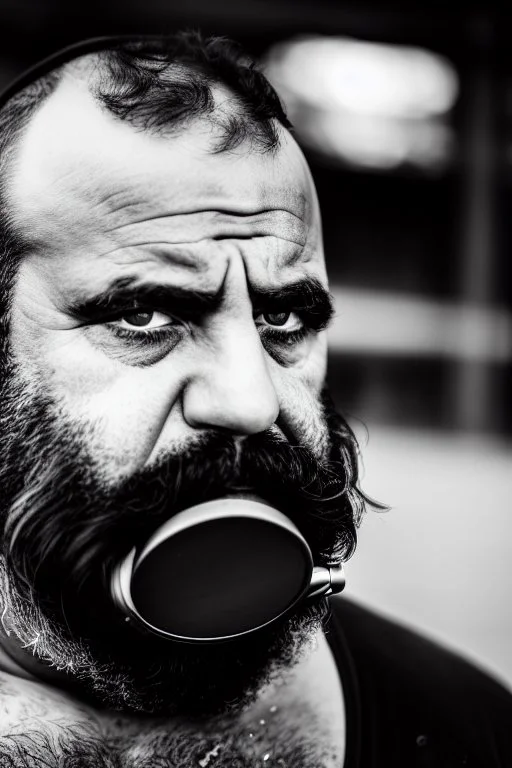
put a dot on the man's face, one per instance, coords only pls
(168, 311)
(104, 203)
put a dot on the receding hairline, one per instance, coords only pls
(216, 61)
(89, 70)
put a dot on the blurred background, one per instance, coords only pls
(405, 117)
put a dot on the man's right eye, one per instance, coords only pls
(138, 335)
(143, 319)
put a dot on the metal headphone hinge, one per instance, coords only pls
(326, 581)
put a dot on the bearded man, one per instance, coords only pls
(164, 308)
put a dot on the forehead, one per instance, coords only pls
(88, 184)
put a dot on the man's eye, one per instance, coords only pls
(285, 321)
(146, 320)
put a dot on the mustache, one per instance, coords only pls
(66, 529)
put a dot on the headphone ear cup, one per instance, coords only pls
(215, 572)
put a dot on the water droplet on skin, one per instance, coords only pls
(251, 735)
(273, 708)
(266, 757)
(262, 721)
(212, 753)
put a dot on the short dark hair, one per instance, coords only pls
(164, 83)
(156, 83)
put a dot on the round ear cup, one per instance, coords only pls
(216, 571)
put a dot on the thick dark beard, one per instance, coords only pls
(64, 528)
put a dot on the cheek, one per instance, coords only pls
(123, 422)
(301, 411)
(120, 410)
(316, 368)
(302, 418)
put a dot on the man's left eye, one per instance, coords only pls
(146, 320)
(286, 321)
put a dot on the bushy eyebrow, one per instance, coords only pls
(126, 293)
(306, 295)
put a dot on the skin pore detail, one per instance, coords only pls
(163, 299)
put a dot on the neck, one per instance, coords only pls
(312, 707)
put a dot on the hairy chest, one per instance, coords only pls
(78, 746)
(75, 747)
(41, 727)
(77, 739)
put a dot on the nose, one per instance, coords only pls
(232, 389)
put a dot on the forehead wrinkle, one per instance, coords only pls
(177, 231)
(221, 215)
(265, 256)
(115, 200)
(293, 200)
(211, 196)
(280, 253)
(171, 254)
(201, 258)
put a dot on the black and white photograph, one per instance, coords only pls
(255, 375)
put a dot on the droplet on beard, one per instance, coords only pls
(205, 761)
